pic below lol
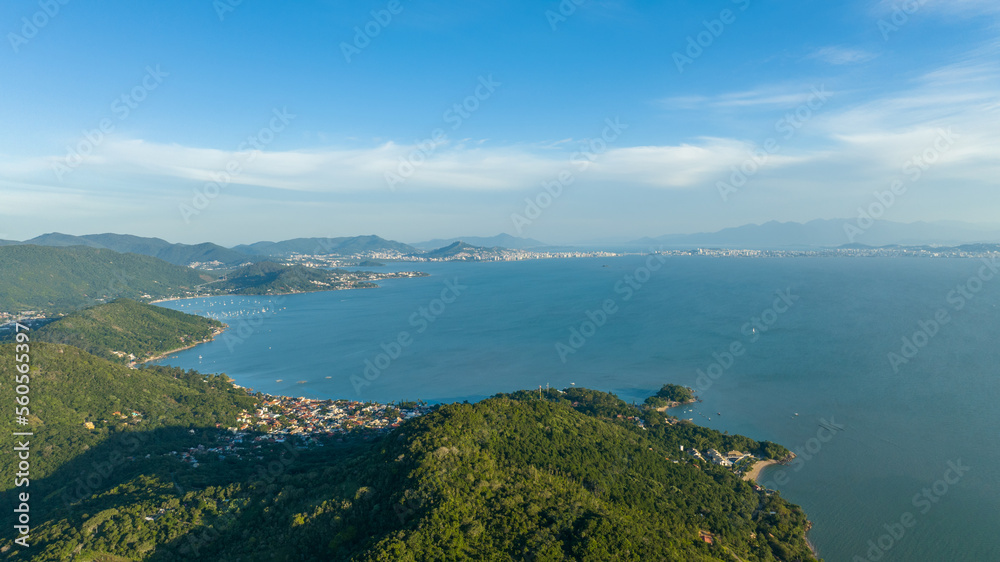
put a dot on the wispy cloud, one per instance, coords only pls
(464, 166)
(765, 97)
(841, 154)
(842, 55)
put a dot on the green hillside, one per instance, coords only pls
(61, 280)
(177, 254)
(326, 246)
(70, 388)
(503, 479)
(128, 327)
(269, 278)
(669, 395)
(451, 250)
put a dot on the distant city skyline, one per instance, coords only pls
(237, 122)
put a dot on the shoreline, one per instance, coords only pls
(170, 299)
(185, 348)
(672, 405)
(752, 476)
(758, 467)
(812, 547)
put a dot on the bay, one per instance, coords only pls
(822, 361)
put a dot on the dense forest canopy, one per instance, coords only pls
(125, 327)
(671, 394)
(61, 280)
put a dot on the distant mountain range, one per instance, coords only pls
(500, 240)
(325, 246)
(187, 254)
(244, 254)
(452, 250)
(58, 280)
(831, 233)
(177, 254)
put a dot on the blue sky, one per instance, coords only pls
(442, 119)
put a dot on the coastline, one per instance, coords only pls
(262, 295)
(672, 405)
(752, 476)
(759, 467)
(812, 547)
(172, 351)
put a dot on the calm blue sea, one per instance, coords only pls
(884, 473)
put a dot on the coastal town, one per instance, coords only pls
(465, 253)
(304, 422)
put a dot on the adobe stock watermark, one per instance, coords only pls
(31, 26)
(456, 115)
(914, 169)
(626, 287)
(204, 196)
(788, 126)
(421, 320)
(224, 7)
(900, 16)
(958, 298)
(924, 501)
(245, 328)
(753, 330)
(698, 43)
(805, 453)
(241, 331)
(581, 160)
(121, 108)
(563, 11)
(364, 34)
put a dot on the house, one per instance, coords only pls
(717, 458)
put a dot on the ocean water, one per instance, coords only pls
(878, 443)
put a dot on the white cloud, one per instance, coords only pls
(465, 166)
(842, 55)
(772, 96)
(839, 155)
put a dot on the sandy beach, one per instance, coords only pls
(758, 467)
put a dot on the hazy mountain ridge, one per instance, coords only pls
(832, 233)
(454, 249)
(502, 240)
(344, 245)
(177, 254)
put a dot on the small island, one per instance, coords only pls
(671, 396)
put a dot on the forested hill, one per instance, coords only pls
(269, 278)
(115, 330)
(61, 280)
(177, 254)
(344, 246)
(78, 401)
(503, 479)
